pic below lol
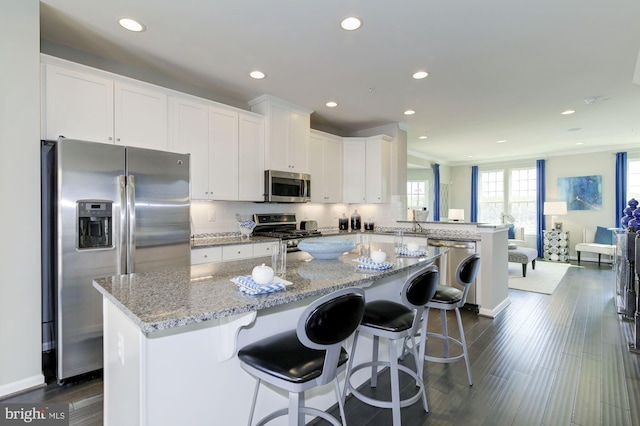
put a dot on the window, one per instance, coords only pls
(491, 197)
(633, 179)
(517, 193)
(417, 196)
(522, 198)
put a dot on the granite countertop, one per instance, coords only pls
(165, 299)
(439, 234)
(233, 239)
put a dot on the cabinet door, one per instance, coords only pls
(190, 135)
(325, 165)
(354, 170)
(332, 156)
(77, 105)
(251, 158)
(240, 251)
(377, 170)
(277, 148)
(316, 168)
(206, 255)
(299, 142)
(141, 117)
(223, 153)
(262, 249)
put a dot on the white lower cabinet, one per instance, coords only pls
(206, 255)
(229, 252)
(262, 249)
(241, 251)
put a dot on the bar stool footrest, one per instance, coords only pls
(445, 359)
(386, 404)
(303, 410)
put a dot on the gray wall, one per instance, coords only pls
(20, 360)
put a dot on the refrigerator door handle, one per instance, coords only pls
(131, 208)
(122, 248)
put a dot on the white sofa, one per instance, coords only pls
(588, 245)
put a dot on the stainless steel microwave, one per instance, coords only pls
(286, 187)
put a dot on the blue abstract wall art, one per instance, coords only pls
(581, 192)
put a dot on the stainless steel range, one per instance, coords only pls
(283, 226)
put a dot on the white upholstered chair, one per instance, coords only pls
(589, 245)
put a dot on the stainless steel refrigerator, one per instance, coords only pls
(107, 210)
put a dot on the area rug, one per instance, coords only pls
(544, 279)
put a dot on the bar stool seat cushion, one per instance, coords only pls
(285, 357)
(447, 294)
(387, 315)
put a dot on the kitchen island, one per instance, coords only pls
(171, 336)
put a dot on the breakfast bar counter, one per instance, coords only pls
(171, 337)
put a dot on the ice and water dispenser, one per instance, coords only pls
(95, 226)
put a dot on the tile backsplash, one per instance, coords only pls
(220, 216)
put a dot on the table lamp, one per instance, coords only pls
(555, 208)
(456, 215)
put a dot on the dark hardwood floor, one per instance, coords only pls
(545, 360)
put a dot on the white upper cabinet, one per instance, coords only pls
(76, 105)
(88, 104)
(189, 125)
(378, 169)
(223, 153)
(226, 147)
(354, 176)
(367, 169)
(326, 167)
(251, 160)
(141, 116)
(287, 130)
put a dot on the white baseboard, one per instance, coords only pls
(492, 313)
(21, 385)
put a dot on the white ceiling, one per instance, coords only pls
(499, 69)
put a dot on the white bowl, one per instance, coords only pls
(378, 256)
(326, 248)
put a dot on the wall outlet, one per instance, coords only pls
(211, 215)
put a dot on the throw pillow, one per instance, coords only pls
(511, 232)
(603, 236)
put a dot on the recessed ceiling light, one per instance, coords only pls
(258, 75)
(420, 75)
(502, 141)
(423, 137)
(331, 104)
(568, 112)
(131, 25)
(579, 143)
(351, 23)
(409, 112)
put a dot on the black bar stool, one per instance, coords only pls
(309, 356)
(392, 320)
(448, 298)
